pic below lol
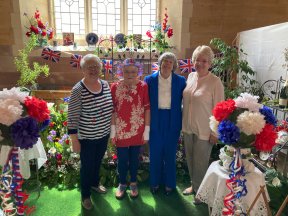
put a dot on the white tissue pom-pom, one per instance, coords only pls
(10, 111)
(13, 93)
(248, 101)
(276, 182)
(214, 125)
(250, 123)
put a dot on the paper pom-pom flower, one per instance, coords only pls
(25, 132)
(250, 122)
(223, 109)
(228, 132)
(10, 111)
(244, 123)
(37, 108)
(266, 139)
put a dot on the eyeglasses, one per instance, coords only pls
(92, 67)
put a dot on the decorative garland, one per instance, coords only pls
(236, 185)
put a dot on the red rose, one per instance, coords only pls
(58, 156)
(65, 123)
(37, 108)
(56, 139)
(41, 25)
(170, 32)
(37, 14)
(51, 124)
(28, 34)
(51, 35)
(43, 33)
(34, 29)
(67, 141)
(114, 157)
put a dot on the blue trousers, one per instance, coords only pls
(92, 152)
(163, 146)
(128, 159)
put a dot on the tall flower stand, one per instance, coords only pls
(213, 190)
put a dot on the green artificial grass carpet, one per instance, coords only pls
(53, 202)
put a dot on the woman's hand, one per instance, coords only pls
(76, 146)
(146, 134)
(213, 139)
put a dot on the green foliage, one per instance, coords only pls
(227, 63)
(28, 76)
(277, 193)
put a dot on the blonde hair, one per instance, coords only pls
(203, 50)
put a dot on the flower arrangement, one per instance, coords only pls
(37, 27)
(244, 123)
(22, 117)
(159, 34)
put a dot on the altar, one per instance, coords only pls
(213, 189)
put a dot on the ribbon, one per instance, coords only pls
(237, 187)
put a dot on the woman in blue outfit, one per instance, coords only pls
(165, 92)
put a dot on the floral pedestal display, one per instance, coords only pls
(241, 123)
(226, 158)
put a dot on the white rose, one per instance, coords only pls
(276, 182)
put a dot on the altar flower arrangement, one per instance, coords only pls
(39, 28)
(160, 32)
(244, 123)
(22, 117)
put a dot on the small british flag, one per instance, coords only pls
(75, 60)
(186, 66)
(108, 66)
(155, 67)
(51, 55)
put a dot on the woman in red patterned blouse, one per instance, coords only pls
(130, 122)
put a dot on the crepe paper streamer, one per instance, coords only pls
(7, 204)
(237, 187)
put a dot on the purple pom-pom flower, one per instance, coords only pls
(25, 132)
(228, 132)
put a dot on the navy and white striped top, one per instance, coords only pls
(89, 114)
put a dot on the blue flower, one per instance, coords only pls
(44, 125)
(229, 133)
(25, 132)
(269, 116)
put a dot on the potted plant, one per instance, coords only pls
(228, 65)
(28, 75)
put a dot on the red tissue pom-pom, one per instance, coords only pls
(265, 140)
(223, 109)
(37, 108)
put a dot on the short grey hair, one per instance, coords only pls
(92, 57)
(168, 55)
(203, 50)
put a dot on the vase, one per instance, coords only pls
(226, 158)
(41, 42)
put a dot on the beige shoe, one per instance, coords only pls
(87, 204)
(120, 192)
(188, 191)
(100, 189)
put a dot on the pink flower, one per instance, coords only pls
(148, 33)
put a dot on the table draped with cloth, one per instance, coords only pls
(213, 189)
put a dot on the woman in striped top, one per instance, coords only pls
(89, 119)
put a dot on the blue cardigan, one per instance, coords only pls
(178, 85)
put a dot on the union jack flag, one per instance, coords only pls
(155, 67)
(75, 60)
(108, 66)
(186, 66)
(51, 55)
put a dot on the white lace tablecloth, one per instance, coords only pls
(36, 152)
(213, 190)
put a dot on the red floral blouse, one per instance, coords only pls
(130, 104)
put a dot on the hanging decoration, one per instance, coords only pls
(186, 66)
(51, 55)
(155, 67)
(75, 60)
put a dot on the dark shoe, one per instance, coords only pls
(197, 201)
(120, 192)
(87, 204)
(100, 189)
(168, 191)
(154, 190)
(188, 191)
(134, 191)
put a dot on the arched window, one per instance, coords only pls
(103, 17)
